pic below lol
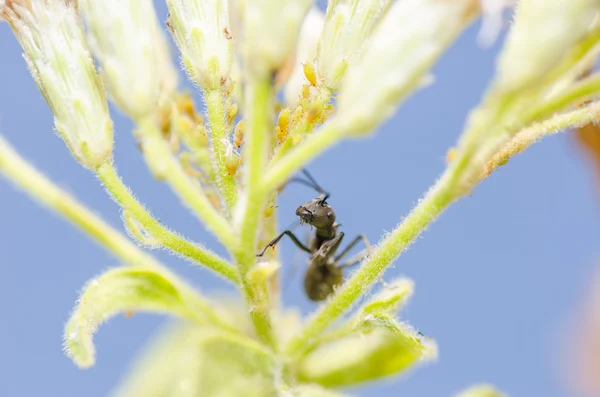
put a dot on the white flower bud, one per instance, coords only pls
(127, 39)
(542, 34)
(347, 25)
(306, 52)
(203, 35)
(269, 32)
(397, 59)
(54, 45)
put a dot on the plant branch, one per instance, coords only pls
(255, 157)
(122, 195)
(218, 132)
(530, 135)
(578, 92)
(23, 175)
(165, 166)
(322, 139)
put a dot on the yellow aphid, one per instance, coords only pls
(280, 134)
(304, 103)
(185, 104)
(297, 139)
(269, 211)
(315, 110)
(183, 125)
(164, 120)
(238, 136)
(232, 163)
(229, 86)
(305, 91)
(451, 154)
(297, 115)
(283, 121)
(201, 135)
(232, 112)
(310, 73)
(213, 197)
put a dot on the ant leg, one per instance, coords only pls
(291, 235)
(356, 240)
(355, 260)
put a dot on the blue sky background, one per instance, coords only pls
(497, 276)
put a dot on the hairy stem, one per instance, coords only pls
(259, 105)
(122, 195)
(530, 135)
(220, 146)
(580, 91)
(161, 160)
(23, 175)
(319, 141)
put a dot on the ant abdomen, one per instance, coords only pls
(321, 281)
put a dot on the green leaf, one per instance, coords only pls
(156, 372)
(117, 291)
(232, 366)
(384, 348)
(192, 361)
(386, 303)
(481, 391)
(390, 299)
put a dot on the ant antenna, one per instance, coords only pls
(311, 182)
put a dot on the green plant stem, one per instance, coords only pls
(122, 195)
(580, 91)
(164, 165)
(530, 135)
(435, 201)
(218, 132)
(255, 158)
(23, 175)
(319, 141)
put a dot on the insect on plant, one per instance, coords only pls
(325, 269)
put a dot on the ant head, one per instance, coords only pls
(316, 213)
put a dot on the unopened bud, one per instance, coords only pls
(201, 30)
(127, 39)
(55, 48)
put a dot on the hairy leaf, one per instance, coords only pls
(384, 348)
(191, 361)
(117, 291)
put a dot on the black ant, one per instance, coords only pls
(324, 272)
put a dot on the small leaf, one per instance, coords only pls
(390, 299)
(386, 303)
(117, 291)
(385, 349)
(481, 391)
